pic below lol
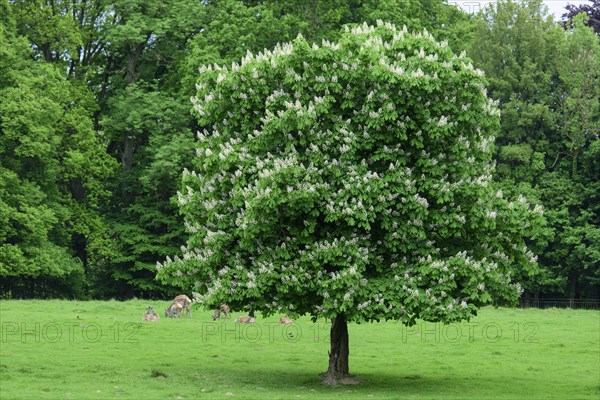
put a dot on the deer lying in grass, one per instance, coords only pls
(222, 311)
(150, 315)
(245, 320)
(286, 320)
(179, 303)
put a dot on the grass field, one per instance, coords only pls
(98, 350)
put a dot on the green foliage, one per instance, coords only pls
(349, 178)
(547, 82)
(87, 86)
(578, 70)
(444, 21)
(49, 26)
(145, 120)
(517, 45)
(579, 243)
(516, 153)
(144, 221)
(232, 27)
(51, 166)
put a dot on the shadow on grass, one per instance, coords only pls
(287, 382)
(276, 380)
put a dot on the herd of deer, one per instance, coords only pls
(181, 302)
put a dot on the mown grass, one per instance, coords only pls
(97, 350)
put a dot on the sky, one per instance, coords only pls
(556, 7)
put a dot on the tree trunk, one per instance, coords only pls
(128, 145)
(525, 299)
(338, 355)
(127, 156)
(572, 291)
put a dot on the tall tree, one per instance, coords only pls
(144, 220)
(53, 165)
(517, 45)
(576, 248)
(546, 81)
(144, 116)
(71, 33)
(350, 180)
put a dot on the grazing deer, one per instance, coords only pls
(150, 315)
(286, 320)
(223, 310)
(174, 310)
(245, 320)
(185, 302)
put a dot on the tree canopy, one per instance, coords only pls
(350, 179)
(95, 125)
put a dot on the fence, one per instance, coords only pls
(561, 303)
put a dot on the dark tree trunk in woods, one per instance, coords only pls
(572, 290)
(132, 76)
(525, 300)
(338, 355)
(127, 157)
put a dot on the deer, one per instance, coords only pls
(245, 319)
(223, 311)
(286, 320)
(150, 315)
(184, 301)
(174, 310)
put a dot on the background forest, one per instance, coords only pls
(96, 129)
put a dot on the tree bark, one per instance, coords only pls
(525, 300)
(572, 290)
(127, 156)
(338, 355)
(132, 65)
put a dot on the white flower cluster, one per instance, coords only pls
(490, 214)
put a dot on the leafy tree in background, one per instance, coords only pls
(352, 181)
(51, 170)
(517, 45)
(234, 27)
(144, 219)
(445, 22)
(591, 10)
(78, 52)
(72, 34)
(146, 119)
(546, 81)
(575, 211)
(120, 74)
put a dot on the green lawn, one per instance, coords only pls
(91, 350)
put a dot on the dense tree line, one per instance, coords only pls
(96, 129)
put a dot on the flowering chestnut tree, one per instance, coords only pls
(350, 180)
